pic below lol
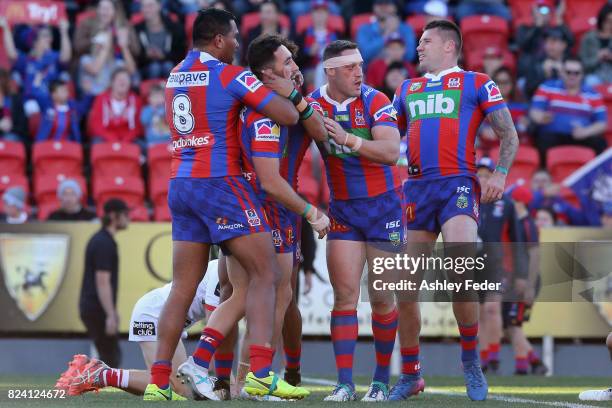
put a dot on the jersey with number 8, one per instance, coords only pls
(203, 100)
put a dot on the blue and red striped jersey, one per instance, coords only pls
(203, 101)
(349, 175)
(441, 116)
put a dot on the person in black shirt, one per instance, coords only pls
(97, 305)
(69, 193)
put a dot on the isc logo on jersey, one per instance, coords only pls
(187, 79)
(249, 81)
(427, 105)
(266, 131)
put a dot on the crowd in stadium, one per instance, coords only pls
(82, 115)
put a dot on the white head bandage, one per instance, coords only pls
(343, 60)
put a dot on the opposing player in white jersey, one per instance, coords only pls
(89, 374)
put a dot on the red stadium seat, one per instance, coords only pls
(526, 162)
(138, 18)
(334, 23)
(12, 157)
(522, 13)
(115, 159)
(562, 161)
(251, 20)
(45, 192)
(419, 21)
(159, 159)
(482, 31)
(129, 188)
(158, 193)
(359, 20)
(12, 180)
(146, 85)
(53, 158)
(475, 59)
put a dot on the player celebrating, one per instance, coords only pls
(207, 192)
(442, 112)
(85, 374)
(365, 208)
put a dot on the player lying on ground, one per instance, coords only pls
(271, 156)
(599, 395)
(85, 374)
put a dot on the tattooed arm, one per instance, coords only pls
(502, 124)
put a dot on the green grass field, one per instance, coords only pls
(441, 392)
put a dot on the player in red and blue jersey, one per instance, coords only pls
(211, 202)
(442, 112)
(365, 208)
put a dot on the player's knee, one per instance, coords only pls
(345, 297)
(491, 309)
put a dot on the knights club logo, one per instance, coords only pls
(33, 267)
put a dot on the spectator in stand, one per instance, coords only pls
(110, 19)
(546, 194)
(567, 112)
(315, 39)
(395, 75)
(531, 39)
(300, 7)
(248, 6)
(493, 59)
(42, 64)
(394, 51)
(13, 123)
(487, 139)
(269, 22)
(153, 117)
(596, 49)
(60, 115)
(545, 218)
(163, 41)
(70, 195)
(371, 37)
(468, 8)
(97, 67)
(115, 114)
(14, 200)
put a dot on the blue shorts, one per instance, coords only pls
(283, 224)
(213, 210)
(374, 219)
(430, 203)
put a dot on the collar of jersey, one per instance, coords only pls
(441, 74)
(205, 57)
(341, 106)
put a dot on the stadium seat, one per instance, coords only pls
(482, 31)
(12, 157)
(521, 11)
(475, 58)
(334, 23)
(115, 159)
(146, 85)
(562, 161)
(158, 193)
(45, 192)
(12, 180)
(359, 20)
(251, 20)
(526, 162)
(159, 159)
(128, 188)
(419, 21)
(53, 158)
(138, 18)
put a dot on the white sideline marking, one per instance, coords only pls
(322, 381)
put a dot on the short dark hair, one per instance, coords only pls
(120, 70)
(335, 48)
(603, 13)
(261, 51)
(550, 211)
(209, 23)
(450, 30)
(56, 84)
(572, 58)
(274, 3)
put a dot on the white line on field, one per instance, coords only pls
(322, 381)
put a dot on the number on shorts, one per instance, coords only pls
(181, 114)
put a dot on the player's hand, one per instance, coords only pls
(307, 282)
(278, 84)
(112, 324)
(494, 188)
(298, 80)
(335, 131)
(319, 221)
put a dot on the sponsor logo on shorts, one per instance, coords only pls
(395, 238)
(249, 81)
(289, 233)
(223, 225)
(188, 79)
(276, 238)
(392, 224)
(463, 189)
(462, 202)
(266, 131)
(143, 329)
(192, 141)
(252, 217)
(410, 212)
(387, 112)
(454, 82)
(493, 92)
(335, 226)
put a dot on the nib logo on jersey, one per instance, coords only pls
(426, 105)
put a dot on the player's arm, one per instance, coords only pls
(104, 291)
(311, 116)
(281, 111)
(268, 174)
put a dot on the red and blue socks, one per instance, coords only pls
(261, 360)
(521, 364)
(223, 366)
(469, 341)
(533, 357)
(344, 331)
(115, 377)
(410, 361)
(209, 341)
(160, 373)
(292, 358)
(494, 352)
(384, 329)
(484, 356)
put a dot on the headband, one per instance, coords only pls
(343, 60)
